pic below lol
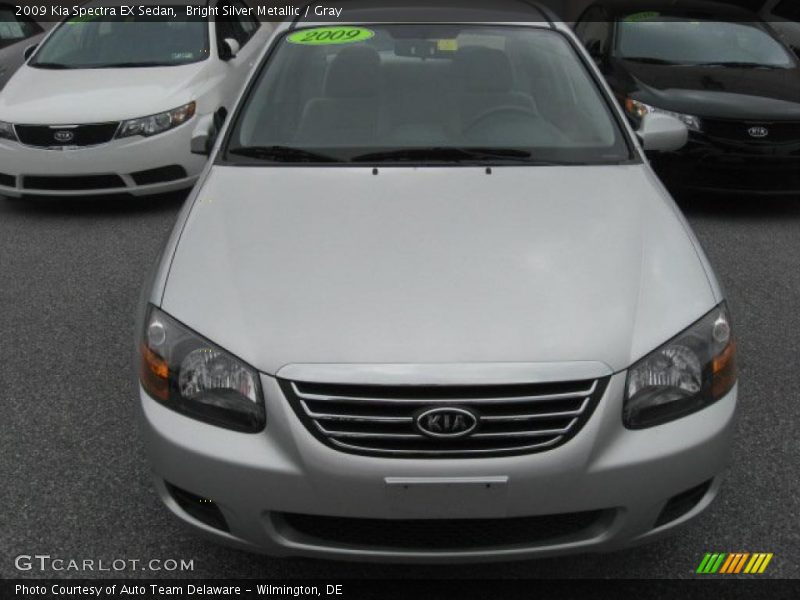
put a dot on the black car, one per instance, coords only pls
(721, 70)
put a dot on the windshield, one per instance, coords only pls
(118, 42)
(425, 93)
(690, 42)
(13, 29)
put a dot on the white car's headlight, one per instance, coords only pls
(638, 110)
(686, 374)
(191, 375)
(7, 131)
(159, 123)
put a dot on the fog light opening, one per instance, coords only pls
(203, 509)
(682, 503)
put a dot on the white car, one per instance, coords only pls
(106, 105)
(437, 307)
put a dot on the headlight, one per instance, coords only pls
(159, 123)
(7, 131)
(189, 374)
(638, 110)
(686, 374)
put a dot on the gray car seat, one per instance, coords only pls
(486, 81)
(348, 112)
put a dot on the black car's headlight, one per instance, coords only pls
(153, 124)
(7, 131)
(189, 374)
(686, 374)
(638, 110)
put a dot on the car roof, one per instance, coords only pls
(529, 12)
(706, 8)
(115, 3)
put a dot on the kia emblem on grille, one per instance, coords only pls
(445, 422)
(63, 136)
(758, 132)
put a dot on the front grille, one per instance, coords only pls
(72, 183)
(778, 132)
(437, 534)
(52, 136)
(383, 420)
(8, 180)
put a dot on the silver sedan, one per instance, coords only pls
(428, 302)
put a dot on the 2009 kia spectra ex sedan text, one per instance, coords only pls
(429, 302)
(105, 105)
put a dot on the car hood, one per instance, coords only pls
(720, 92)
(435, 265)
(60, 97)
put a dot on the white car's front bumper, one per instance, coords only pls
(110, 168)
(627, 476)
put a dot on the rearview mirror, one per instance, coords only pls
(204, 136)
(229, 49)
(595, 50)
(28, 52)
(662, 133)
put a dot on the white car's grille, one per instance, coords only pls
(56, 136)
(444, 421)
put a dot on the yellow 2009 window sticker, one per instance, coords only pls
(320, 36)
(448, 45)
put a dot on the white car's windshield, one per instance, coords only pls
(426, 93)
(119, 42)
(678, 40)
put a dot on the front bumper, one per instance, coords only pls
(708, 166)
(254, 479)
(109, 168)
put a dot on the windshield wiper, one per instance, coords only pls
(737, 65)
(282, 154)
(650, 60)
(51, 65)
(130, 65)
(453, 154)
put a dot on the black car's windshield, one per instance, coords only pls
(661, 39)
(13, 29)
(124, 42)
(421, 94)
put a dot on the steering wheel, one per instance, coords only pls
(497, 110)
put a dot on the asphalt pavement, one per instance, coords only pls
(74, 482)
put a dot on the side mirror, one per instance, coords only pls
(662, 133)
(204, 136)
(229, 49)
(28, 52)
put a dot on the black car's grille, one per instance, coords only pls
(438, 534)
(47, 136)
(72, 183)
(753, 132)
(385, 420)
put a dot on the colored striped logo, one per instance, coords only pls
(733, 563)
